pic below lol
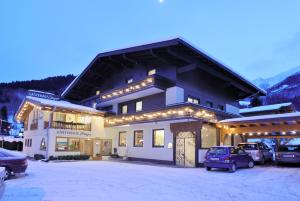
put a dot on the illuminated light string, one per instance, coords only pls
(24, 108)
(129, 89)
(163, 114)
(265, 133)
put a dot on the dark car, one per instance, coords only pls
(288, 154)
(259, 151)
(13, 162)
(227, 157)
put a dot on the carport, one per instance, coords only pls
(276, 126)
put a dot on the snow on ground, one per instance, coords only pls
(120, 181)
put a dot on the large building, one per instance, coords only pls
(158, 102)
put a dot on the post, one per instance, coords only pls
(47, 133)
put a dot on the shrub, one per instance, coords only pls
(70, 157)
(38, 156)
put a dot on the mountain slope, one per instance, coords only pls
(287, 90)
(12, 94)
(266, 83)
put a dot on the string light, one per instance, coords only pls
(164, 114)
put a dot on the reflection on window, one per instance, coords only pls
(158, 138)
(208, 136)
(43, 144)
(193, 100)
(73, 144)
(138, 139)
(151, 72)
(129, 80)
(122, 139)
(139, 106)
(209, 104)
(61, 144)
(124, 109)
(107, 147)
(220, 107)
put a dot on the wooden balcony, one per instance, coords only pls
(68, 125)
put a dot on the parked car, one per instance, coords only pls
(288, 154)
(13, 162)
(2, 178)
(227, 157)
(259, 151)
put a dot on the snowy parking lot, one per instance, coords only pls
(104, 180)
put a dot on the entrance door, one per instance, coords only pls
(88, 147)
(185, 149)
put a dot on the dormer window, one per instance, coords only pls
(151, 72)
(129, 80)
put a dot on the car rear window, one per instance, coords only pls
(217, 150)
(289, 148)
(248, 146)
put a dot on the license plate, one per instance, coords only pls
(214, 159)
(288, 156)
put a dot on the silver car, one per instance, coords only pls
(288, 154)
(258, 151)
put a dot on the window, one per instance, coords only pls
(193, 100)
(139, 106)
(124, 109)
(138, 139)
(98, 92)
(73, 144)
(94, 105)
(122, 139)
(59, 117)
(61, 144)
(209, 104)
(220, 107)
(43, 144)
(151, 72)
(30, 142)
(158, 138)
(129, 80)
(208, 136)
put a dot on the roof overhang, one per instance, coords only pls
(175, 52)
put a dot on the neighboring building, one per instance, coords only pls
(54, 127)
(161, 102)
(268, 109)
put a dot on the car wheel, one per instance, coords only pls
(208, 168)
(7, 173)
(251, 164)
(232, 168)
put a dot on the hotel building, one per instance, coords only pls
(159, 102)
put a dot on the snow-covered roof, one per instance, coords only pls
(265, 108)
(61, 104)
(263, 117)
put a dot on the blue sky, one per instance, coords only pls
(45, 38)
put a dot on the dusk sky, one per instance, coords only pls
(46, 38)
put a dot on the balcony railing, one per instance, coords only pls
(180, 111)
(151, 81)
(68, 125)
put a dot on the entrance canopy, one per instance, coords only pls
(263, 126)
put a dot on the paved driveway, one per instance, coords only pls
(104, 180)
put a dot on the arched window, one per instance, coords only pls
(43, 144)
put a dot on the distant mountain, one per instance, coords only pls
(266, 83)
(288, 90)
(12, 94)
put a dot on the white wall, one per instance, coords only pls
(174, 95)
(147, 151)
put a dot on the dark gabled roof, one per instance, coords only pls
(174, 51)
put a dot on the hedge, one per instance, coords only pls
(70, 157)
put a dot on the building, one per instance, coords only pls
(268, 109)
(158, 102)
